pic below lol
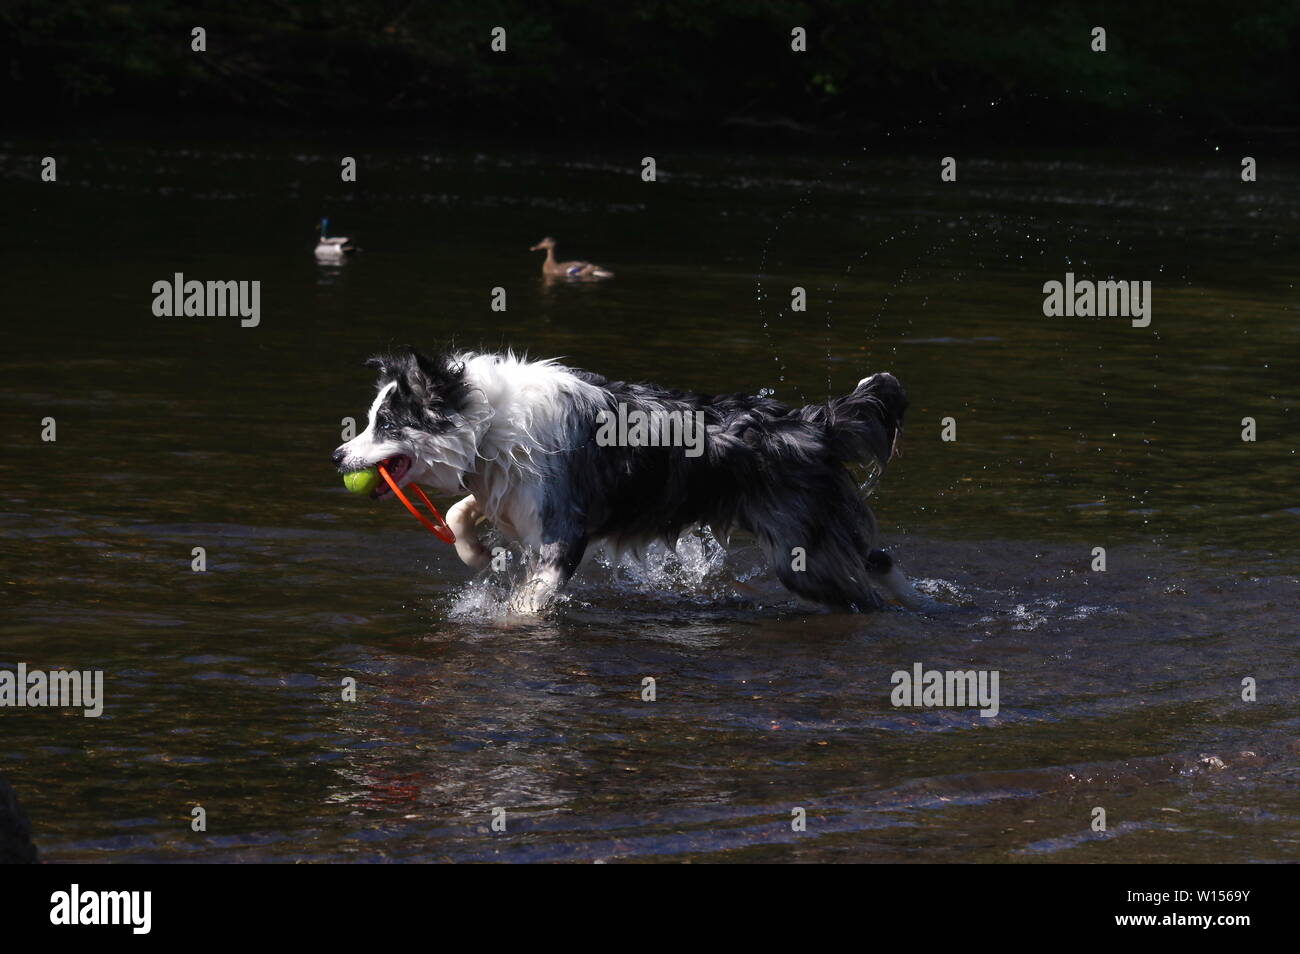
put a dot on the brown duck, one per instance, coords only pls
(553, 269)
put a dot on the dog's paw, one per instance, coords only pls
(531, 600)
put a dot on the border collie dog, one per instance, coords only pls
(532, 446)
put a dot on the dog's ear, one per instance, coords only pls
(429, 370)
(408, 372)
(435, 381)
(417, 376)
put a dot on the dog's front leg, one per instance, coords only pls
(463, 519)
(552, 569)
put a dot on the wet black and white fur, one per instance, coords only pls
(518, 438)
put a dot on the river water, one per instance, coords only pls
(1120, 690)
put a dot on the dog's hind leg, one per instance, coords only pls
(886, 576)
(463, 519)
(822, 570)
(847, 592)
(819, 540)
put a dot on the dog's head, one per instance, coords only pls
(420, 424)
(889, 400)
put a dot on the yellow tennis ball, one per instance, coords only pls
(361, 481)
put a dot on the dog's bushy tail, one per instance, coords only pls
(864, 426)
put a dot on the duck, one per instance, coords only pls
(553, 269)
(331, 247)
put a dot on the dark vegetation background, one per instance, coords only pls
(1208, 67)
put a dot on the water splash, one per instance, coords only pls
(697, 559)
(695, 570)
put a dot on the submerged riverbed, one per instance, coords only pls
(1119, 689)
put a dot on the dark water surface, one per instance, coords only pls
(1119, 690)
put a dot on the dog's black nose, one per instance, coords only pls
(338, 456)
